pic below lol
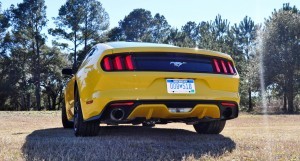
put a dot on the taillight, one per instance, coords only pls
(128, 62)
(223, 66)
(216, 64)
(107, 63)
(117, 63)
(230, 68)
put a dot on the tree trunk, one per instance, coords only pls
(290, 103)
(28, 102)
(38, 76)
(290, 93)
(250, 107)
(85, 35)
(284, 102)
(53, 102)
(49, 101)
(75, 48)
(60, 98)
(23, 102)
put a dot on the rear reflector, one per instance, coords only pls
(123, 104)
(227, 104)
(89, 102)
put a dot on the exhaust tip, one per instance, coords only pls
(117, 114)
(227, 112)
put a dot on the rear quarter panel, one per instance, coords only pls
(69, 98)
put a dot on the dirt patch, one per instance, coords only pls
(39, 136)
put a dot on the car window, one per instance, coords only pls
(90, 53)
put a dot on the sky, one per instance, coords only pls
(179, 12)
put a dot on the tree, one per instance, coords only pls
(29, 19)
(18, 71)
(4, 59)
(80, 22)
(116, 34)
(95, 21)
(281, 56)
(245, 34)
(214, 35)
(188, 36)
(174, 37)
(52, 61)
(160, 28)
(70, 16)
(137, 25)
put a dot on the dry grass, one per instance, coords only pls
(39, 136)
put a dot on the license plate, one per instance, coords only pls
(181, 86)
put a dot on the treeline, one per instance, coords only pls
(30, 70)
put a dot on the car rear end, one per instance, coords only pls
(162, 84)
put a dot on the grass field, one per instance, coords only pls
(40, 136)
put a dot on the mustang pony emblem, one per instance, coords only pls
(177, 64)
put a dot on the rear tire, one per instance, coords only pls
(213, 127)
(66, 123)
(81, 127)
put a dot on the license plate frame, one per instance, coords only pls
(181, 86)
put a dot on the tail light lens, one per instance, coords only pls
(230, 68)
(128, 62)
(107, 64)
(217, 67)
(223, 66)
(118, 63)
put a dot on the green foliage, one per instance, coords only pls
(28, 20)
(136, 25)
(30, 70)
(280, 48)
(116, 34)
(160, 28)
(80, 22)
(52, 61)
(139, 25)
(244, 35)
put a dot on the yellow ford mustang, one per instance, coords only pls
(148, 84)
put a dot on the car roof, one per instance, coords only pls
(123, 44)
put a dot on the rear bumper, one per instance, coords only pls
(145, 87)
(201, 110)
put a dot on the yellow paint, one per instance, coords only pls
(103, 87)
(161, 111)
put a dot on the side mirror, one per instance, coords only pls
(67, 71)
